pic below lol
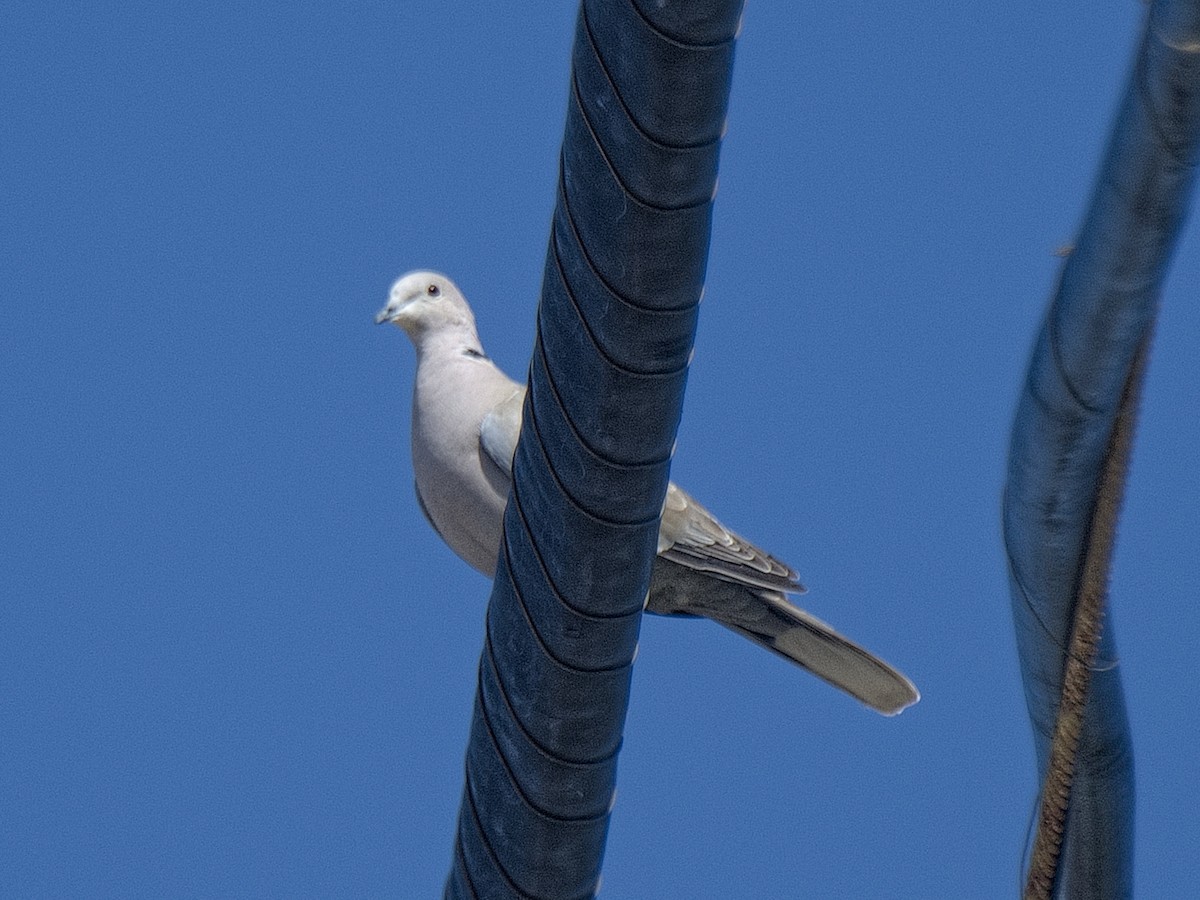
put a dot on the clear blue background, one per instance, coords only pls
(235, 661)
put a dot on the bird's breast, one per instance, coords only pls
(459, 488)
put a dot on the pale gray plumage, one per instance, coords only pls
(466, 419)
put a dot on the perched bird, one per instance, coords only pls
(466, 417)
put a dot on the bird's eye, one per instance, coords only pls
(433, 290)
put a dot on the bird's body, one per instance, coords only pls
(450, 467)
(466, 421)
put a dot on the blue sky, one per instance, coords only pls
(234, 659)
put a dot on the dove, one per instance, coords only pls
(466, 418)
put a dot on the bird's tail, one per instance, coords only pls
(768, 619)
(807, 641)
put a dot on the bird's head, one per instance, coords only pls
(421, 302)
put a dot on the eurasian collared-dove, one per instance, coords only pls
(463, 404)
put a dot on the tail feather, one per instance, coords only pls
(814, 645)
(768, 619)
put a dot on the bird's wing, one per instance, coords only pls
(500, 428)
(690, 536)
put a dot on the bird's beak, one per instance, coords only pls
(385, 315)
